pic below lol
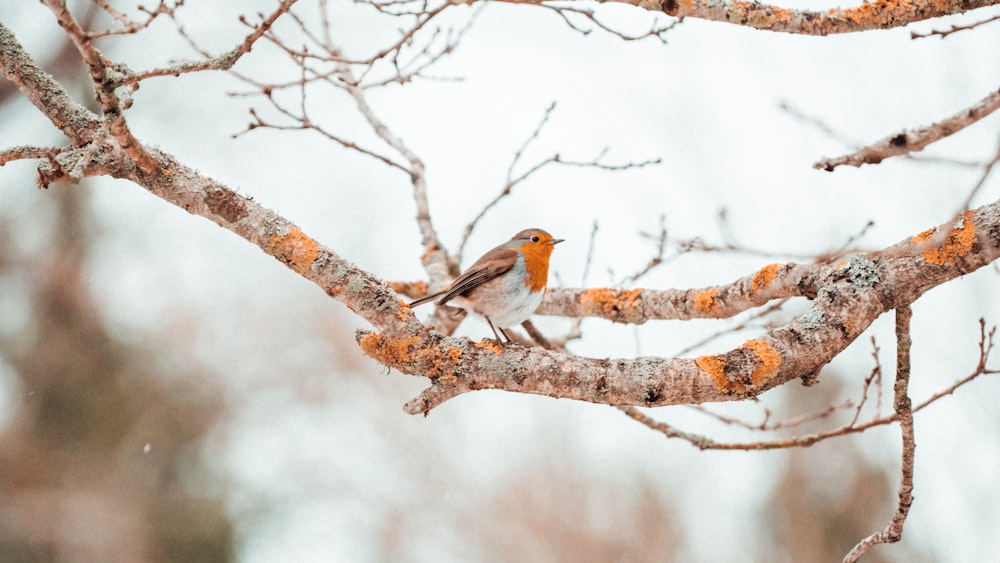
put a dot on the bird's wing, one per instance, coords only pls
(491, 265)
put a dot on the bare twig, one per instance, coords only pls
(875, 377)
(28, 152)
(986, 343)
(225, 61)
(914, 140)
(953, 29)
(556, 158)
(591, 244)
(658, 259)
(893, 532)
(569, 13)
(766, 425)
(732, 244)
(509, 185)
(755, 320)
(979, 184)
(854, 144)
(129, 25)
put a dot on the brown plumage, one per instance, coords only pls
(506, 284)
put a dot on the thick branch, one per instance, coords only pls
(636, 306)
(184, 187)
(101, 75)
(880, 14)
(847, 297)
(76, 121)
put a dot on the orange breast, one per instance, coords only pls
(536, 262)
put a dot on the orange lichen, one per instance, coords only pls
(956, 244)
(388, 351)
(764, 276)
(754, 16)
(768, 361)
(404, 310)
(756, 370)
(850, 326)
(706, 299)
(714, 366)
(621, 306)
(410, 289)
(490, 345)
(295, 249)
(440, 364)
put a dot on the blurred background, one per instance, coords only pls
(170, 393)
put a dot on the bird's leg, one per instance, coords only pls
(495, 333)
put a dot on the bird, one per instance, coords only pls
(506, 284)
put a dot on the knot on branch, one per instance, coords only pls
(73, 164)
(862, 272)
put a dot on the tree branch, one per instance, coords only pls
(806, 440)
(914, 140)
(893, 532)
(225, 61)
(49, 96)
(847, 296)
(881, 14)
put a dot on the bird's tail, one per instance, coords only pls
(427, 299)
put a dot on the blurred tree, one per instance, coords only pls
(100, 460)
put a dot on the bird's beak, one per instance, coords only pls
(556, 240)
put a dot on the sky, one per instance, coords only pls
(311, 418)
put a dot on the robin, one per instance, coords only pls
(506, 284)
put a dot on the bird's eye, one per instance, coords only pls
(535, 238)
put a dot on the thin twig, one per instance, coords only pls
(753, 321)
(766, 425)
(657, 260)
(979, 184)
(509, 185)
(954, 29)
(893, 531)
(914, 140)
(128, 25)
(986, 343)
(556, 158)
(568, 12)
(225, 61)
(875, 377)
(732, 244)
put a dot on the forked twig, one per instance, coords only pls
(893, 531)
(986, 343)
(556, 158)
